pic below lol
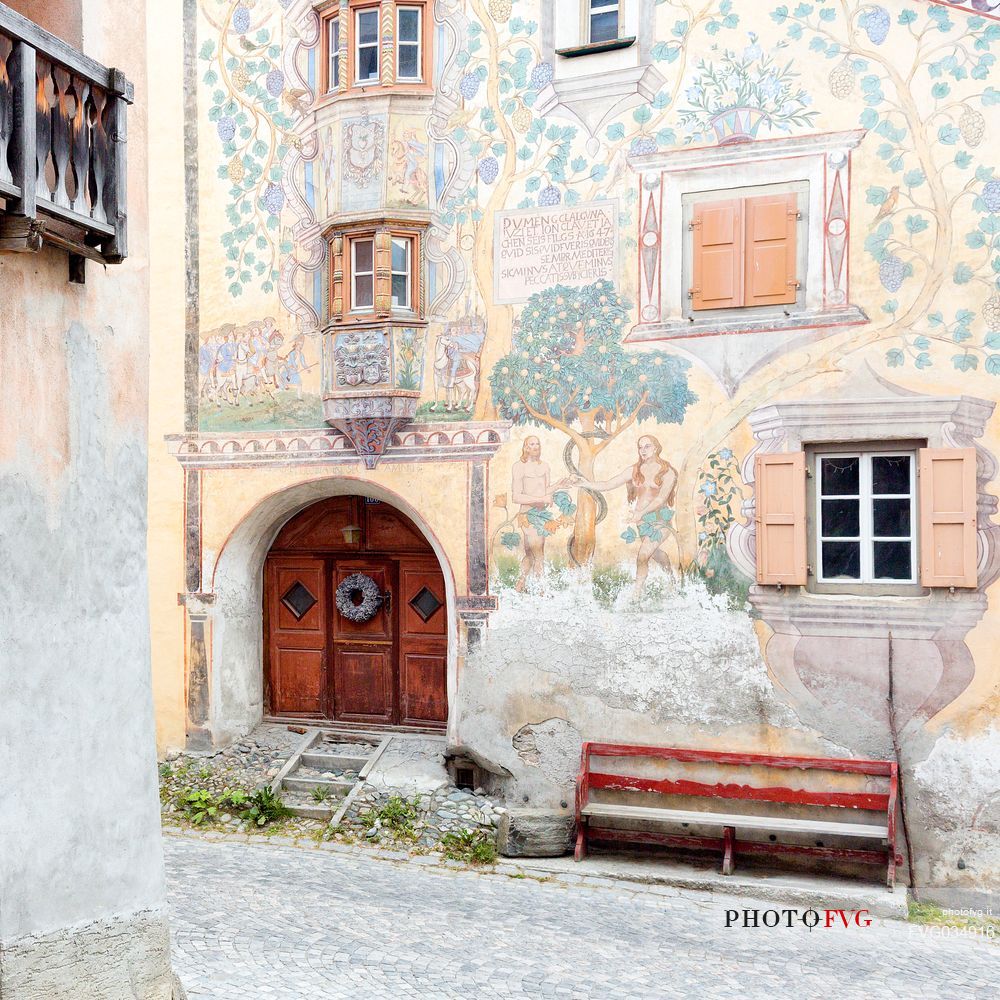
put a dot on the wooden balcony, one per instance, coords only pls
(62, 148)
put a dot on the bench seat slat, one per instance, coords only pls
(793, 796)
(606, 810)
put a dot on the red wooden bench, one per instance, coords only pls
(592, 815)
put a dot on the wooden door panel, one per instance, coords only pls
(363, 685)
(378, 628)
(423, 643)
(298, 680)
(299, 588)
(424, 689)
(296, 597)
(422, 600)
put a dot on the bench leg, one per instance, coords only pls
(581, 841)
(728, 834)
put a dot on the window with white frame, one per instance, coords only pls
(401, 284)
(866, 517)
(408, 43)
(362, 274)
(333, 52)
(366, 57)
(602, 21)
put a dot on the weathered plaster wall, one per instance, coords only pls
(81, 882)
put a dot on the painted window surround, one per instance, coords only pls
(821, 162)
(382, 230)
(591, 84)
(872, 406)
(349, 86)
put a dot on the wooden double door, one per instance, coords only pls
(388, 670)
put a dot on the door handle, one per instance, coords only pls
(387, 601)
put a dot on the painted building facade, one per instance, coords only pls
(82, 890)
(633, 363)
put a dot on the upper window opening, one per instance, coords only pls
(367, 51)
(408, 44)
(603, 21)
(866, 516)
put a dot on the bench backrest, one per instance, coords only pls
(881, 802)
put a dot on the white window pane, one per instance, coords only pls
(892, 561)
(363, 252)
(841, 519)
(364, 290)
(368, 63)
(367, 27)
(409, 24)
(401, 291)
(840, 476)
(334, 45)
(604, 27)
(891, 474)
(409, 62)
(400, 255)
(841, 560)
(891, 518)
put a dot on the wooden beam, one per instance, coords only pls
(116, 249)
(19, 234)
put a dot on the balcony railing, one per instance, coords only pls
(62, 147)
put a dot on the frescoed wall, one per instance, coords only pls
(642, 267)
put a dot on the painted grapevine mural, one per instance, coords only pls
(919, 78)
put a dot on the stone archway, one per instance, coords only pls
(234, 617)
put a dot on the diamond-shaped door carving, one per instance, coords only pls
(298, 600)
(426, 604)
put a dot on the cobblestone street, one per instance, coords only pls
(270, 921)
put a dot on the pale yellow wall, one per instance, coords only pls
(166, 376)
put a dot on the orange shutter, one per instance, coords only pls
(781, 518)
(770, 277)
(948, 517)
(717, 259)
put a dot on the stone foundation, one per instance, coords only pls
(124, 958)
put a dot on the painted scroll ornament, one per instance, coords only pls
(371, 598)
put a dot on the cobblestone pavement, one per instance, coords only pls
(269, 921)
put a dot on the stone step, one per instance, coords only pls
(312, 810)
(332, 761)
(297, 784)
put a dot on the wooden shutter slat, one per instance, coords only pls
(717, 258)
(780, 487)
(771, 253)
(948, 527)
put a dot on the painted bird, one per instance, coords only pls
(889, 204)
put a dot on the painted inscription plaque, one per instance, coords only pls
(537, 248)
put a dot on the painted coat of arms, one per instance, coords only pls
(362, 358)
(364, 150)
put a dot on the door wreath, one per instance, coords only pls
(354, 586)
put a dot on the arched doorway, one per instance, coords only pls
(389, 669)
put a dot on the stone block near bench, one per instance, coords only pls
(535, 833)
